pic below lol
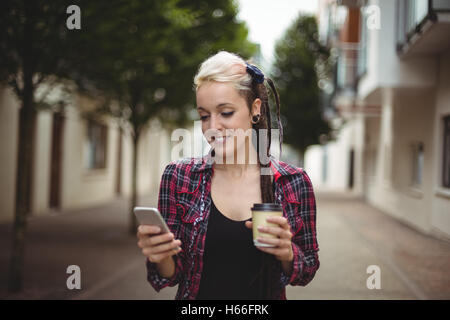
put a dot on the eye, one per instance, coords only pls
(227, 114)
(203, 118)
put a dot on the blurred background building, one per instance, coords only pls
(78, 163)
(391, 99)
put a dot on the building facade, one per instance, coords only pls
(77, 162)
(392, 102)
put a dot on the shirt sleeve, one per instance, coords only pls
(167, 207)
(304, 243)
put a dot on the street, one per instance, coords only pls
(351, 235)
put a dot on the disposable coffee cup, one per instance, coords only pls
(260, 212)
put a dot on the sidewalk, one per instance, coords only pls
(351, 236)
(95, 239)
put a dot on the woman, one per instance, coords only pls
(207, 201)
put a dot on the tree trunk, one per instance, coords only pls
(23, 186)
(134, 195)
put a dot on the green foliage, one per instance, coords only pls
(138, 58)
(144, 54)
(300, 61)
(33, 43)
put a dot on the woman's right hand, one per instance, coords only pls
(155, 246)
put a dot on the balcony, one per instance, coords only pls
(423, 27)
(347, 67)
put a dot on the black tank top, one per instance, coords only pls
(231, 263)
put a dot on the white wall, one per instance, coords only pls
(153, 156)
(384, 67)
(407, 117)
(351, 136)
(80, 187)
(42, 163)
(440, 219)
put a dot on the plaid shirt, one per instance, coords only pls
(185, 201)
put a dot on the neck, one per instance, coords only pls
(238, 167)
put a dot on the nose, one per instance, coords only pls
(214, 123)
(214, 128)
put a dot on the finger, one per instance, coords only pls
(161, 256)
(282, 221)
(276, 231)
(157, 239)
(166, 246)
(249, 224)
(146, 229)
(154, 253)
(280, 243)
(146, 243)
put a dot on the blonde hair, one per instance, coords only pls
(224, 66)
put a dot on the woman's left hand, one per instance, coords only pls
(283, 245)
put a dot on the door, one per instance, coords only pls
(56, 160)
(351, 169)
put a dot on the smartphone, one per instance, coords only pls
(148, 215)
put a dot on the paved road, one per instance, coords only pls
(351, 236)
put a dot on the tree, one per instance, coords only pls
(32, 53)
(140, 58)
(300, 61)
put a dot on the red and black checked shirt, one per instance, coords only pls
(185, 201)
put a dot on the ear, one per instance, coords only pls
(256, 107)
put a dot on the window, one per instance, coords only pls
(417, 165)
(96, 145)
(446, 154)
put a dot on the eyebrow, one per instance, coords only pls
(218, 106)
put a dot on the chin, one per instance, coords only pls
(228, 152)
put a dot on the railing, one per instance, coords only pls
(348, 65)
(417, 10)
(411, 14)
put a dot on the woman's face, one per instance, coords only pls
(222, 111)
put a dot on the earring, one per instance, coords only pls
(255, 119)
